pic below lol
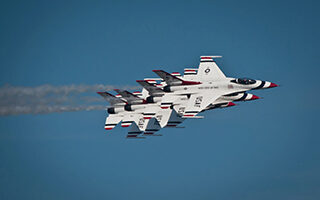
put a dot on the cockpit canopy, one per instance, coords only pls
(244, 81)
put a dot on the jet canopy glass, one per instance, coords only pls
(244, 81)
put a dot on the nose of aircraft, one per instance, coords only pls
(270, 85)
(273, 85)
(231, 104)
(250, 97)
(254, 97)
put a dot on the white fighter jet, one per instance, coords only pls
(169, 100)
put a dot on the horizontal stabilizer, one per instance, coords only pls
(137, 93)
(129, 97)
(173, 80)
(111, 98)
(151, 88)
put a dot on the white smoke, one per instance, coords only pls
(15, 100)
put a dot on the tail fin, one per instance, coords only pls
(190, 74)
(174, 119)
(112, 121)
(134, 131)
(152, 127)
(163, 116)
(209, 70)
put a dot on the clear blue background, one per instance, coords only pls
(266, 149)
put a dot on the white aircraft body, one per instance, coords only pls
(169, 100)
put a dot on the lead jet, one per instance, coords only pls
(208, 85)
(172, 98)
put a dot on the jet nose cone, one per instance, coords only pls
(254, 97)
(231, 104)
(273, 85)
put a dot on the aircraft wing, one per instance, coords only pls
(128, 96)
(199, 102)
(111, 98)
(151, 88)
(173, 80)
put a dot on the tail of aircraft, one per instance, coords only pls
(113, 100)
(174, 119)
(129, 97)
(209, 70)
(151, 88)
(134, 131)
(163, 117)
(190, 74)
(112, 121)
(152, 127)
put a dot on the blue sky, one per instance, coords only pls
(266, 149)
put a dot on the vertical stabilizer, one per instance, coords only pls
(209, 70)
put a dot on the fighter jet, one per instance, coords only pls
(169, 100)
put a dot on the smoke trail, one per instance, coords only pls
(42, 90)
(15, 100)
(43, 109)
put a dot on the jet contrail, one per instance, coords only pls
(44, 109)
(15, 100)
(63, 90)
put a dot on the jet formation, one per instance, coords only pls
(167, 101)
